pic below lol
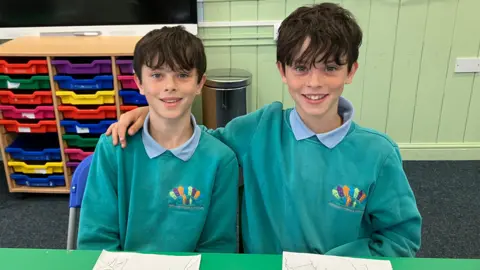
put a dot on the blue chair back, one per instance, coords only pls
(79, 180)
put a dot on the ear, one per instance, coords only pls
(282, 71)
(200, 84)
(351, 74)
(139, 84)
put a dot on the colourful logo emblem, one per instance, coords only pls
(346, 196)
(189, 197)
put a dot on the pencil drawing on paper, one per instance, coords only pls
(136, 261)
(303, 261)
(311, 265)
(115, 264)
(192, 264)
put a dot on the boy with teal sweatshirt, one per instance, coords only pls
(175, 187)
(314, 180)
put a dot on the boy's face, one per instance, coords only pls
(169, 93)
(316, 89)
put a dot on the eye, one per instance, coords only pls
(331, 68)
(156, 75)
(183, 75)
(300, 68)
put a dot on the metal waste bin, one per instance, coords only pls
(224, 95)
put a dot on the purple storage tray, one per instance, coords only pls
(73, 165)
(96, 67)
(126, 66)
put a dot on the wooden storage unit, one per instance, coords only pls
(81, 78)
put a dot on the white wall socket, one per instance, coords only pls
(464, 65)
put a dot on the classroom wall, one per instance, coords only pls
(406, 85)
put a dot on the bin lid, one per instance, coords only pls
(228, 78)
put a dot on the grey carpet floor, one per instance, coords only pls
(447, 195)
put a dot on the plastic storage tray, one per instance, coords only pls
(77, 154)
(35, 82)
(35, 181)
(72, 126)
(125, 66)
(73, 165)
(40, 112)
(98, 66)
(127, 82)
(126, 108)
(38, 97)
(43, 126)
(132, 97)
(101, 97)
(47, 168)
(74, 140)
(31, 67)
(102, 112)
(39, 147)
(97, 83)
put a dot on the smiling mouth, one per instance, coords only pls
(171, 100)
(315, 97)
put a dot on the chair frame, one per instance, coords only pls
(79, 181)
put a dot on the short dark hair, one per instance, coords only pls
(332, 30)
(172, 46)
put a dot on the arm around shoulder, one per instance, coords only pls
(98, 226)
(239, 132)
(219, 233)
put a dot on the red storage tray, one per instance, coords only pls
(31, 67)
(42, 126)
(40, 112)
(38, 97)
(102, 112)
(77, 154)
(127, 82)
(126, 108)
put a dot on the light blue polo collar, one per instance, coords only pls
(329, 139)
(183, 152)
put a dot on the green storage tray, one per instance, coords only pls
(78, 141)
(33, 83)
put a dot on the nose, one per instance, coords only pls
(170, 84)
(316, 78)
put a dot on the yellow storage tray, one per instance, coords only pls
(47, 168)
(100, 97)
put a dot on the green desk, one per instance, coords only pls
(38, 259)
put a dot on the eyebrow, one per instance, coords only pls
(302, 63)
(172, 70)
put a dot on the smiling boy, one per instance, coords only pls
(174, 188)
(314, 180)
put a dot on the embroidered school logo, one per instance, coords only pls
(352, 198)
(186, 198)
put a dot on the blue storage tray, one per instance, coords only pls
(132, 97)
(42, 147)
(101, 82)
(35, 181)
(72, 126)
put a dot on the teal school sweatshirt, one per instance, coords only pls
(300, 196)
(164, 204)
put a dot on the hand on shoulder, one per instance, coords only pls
(132, 120)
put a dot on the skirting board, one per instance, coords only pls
(440, 151)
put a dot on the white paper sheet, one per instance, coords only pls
(136, 261)
(304, 261)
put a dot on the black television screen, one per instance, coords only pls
(51, 13)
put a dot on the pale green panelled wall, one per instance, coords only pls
(406, 85)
